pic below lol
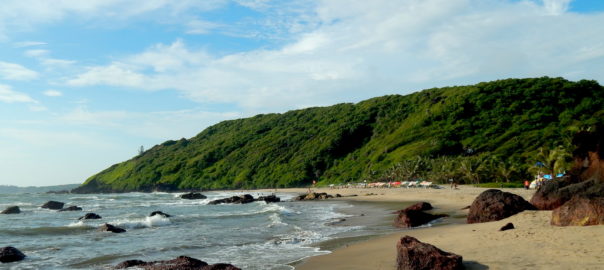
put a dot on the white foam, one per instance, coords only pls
(147, 222)
(276, 221)
(79, 224)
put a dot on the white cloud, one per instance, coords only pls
(556, 7)
(200, 27)
(24, 44)
(12, 71)
(52, 62)
(7, 95)
(53, 93)
(36, 53)
(365, 49)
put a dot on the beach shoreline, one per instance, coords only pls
(534, 244)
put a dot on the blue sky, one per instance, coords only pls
(83, 84)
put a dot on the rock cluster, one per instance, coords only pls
(193, 196)
(493, 205)
(312, 196)
(414, 216)
(415, 255)
(246, 198)
(180, 263)
(11, 210)
(10, 254)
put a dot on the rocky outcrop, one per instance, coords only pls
(180, 263)
(159, 213)
(54, 205)
(269, 199)
(11, 254)
(11, 210)
(193, 196)
(580, 211)
(413, 218)
(415, 255)
(110, 228)
(71, 208)
(506, 227)
(313, 196)
(493, 204)
(555, 193)
(246, 198)
(90, 216)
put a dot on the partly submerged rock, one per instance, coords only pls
(413, 218)
(11, 254)
(313, 196)
(90, 216)
(180, 263)
(54, 205)
(159, 213)
(246, 198)
(493, 204)
(71, 208)
(580, 211)
(11, 210)
(193, 196)
(420, 206)
(269, 199)
(110, 228)
(415, 255)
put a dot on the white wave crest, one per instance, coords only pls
(147, 222)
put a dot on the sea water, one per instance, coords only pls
(250, 236)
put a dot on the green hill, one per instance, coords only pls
(488, 131)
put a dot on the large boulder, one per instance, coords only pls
(493, 204)
(11, 210)
(11, 254)
(415, 255)
(420, 206)
(110, 228)
(54, 205)
(580, 211)
(246, 198)
(180, 263)
(556, 192)
(193, 196)
(90, 216)
(413, 218)
(71, 208)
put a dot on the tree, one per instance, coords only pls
(141, 150)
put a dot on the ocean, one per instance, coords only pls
(250, 236)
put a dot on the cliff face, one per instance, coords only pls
(348, 142)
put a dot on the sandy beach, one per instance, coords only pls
(534, 244)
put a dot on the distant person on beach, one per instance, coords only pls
(526, 184)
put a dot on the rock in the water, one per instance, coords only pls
(580, 211)
(247, 198)
(54, 205)
(193, 196)
(90, 216)
(506, 227)
(420, 206)
(11, 210)
(159, 213)
(71, 208)
(180, 263)
(313, 196)
(415, 255)
(269, 199)
(413, 218)
(10, 254)
(110, 228)
(493, 204)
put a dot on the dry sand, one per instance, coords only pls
(534, 244)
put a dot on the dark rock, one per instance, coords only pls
(58, 192)
(54, 205)
(580, 211)
(415, 255)
(180, 263)
(338, 196)
(193, 196)
(269, 199)
(247, 198)
(110, 228)
(90, 216)
(413, 218)
(11, 210)
(71, 208)
(493, 204)
(11, 254)
(159, 213)
(506, 227)
(313, 196)
(420, 206)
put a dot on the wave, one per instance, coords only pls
(147, 222)
(60, 230)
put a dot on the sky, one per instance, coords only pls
(84, 84)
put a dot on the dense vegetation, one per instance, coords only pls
(493, 131)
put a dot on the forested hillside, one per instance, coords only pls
(493, 131)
